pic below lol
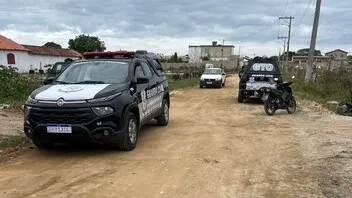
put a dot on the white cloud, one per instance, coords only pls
(169, 26)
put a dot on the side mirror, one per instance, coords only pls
(48, 80)
(142, 80)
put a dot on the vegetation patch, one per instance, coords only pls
(329, 86)
(181, 84)
(15, 87)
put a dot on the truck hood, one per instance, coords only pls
(211, 76)
(76, 91)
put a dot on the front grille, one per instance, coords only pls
(209, 79)
(61, 116)
(266, 79)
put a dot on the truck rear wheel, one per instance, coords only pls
(240, 98)
(163, 118)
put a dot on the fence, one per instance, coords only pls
(228, 65)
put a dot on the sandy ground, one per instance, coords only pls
(11, 122)
(213, 147)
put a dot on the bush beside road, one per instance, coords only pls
(330, 86)
(15, 87)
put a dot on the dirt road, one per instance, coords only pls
(213, 147)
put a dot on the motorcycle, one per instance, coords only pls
(279, 98)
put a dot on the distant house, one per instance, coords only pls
(30, 57)
(332, 60)
(337, 54)
(215, 52)
(339, 58)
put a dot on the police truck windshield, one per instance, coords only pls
(96, 72)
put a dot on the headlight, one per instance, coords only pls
(107, 98)
(202, 78)
(101, 111)
(31, 100)
(219, 78)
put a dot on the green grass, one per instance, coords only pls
(330, 86)
(173, 85)
(13, 141)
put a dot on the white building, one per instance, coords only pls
(27, 57)
(212, 52)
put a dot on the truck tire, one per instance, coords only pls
(131, 133)
(42, 145)
(240, 98)
(163, 118)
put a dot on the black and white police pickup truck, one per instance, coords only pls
(104, 98)
(261, 72)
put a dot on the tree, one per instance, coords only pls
(276, 58)
(173, 58)
(85, 43)
(305, 52)
(52, 45)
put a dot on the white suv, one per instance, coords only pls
(213, 77)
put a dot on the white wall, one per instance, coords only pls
(24, 60)
(21, 59)
(194, 54)
(40, 60)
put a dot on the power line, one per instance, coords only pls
(304, 12)
(259, 31)
(333, 26)
(303, 15)
(283, 12)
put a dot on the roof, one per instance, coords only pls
(211, 46)
(306, 57)
(336, 50)
(49, 51)
(8, 44)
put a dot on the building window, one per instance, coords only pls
(11, 59)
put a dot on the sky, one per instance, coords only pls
(165, 26)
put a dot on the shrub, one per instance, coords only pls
(330, 85)
(14, 87)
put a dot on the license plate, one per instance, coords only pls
(209, 83)
(265, 97)
(62, 128)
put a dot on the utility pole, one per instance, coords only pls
(310, 70)
(239, 51)
(289, 34)
(284, 39)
